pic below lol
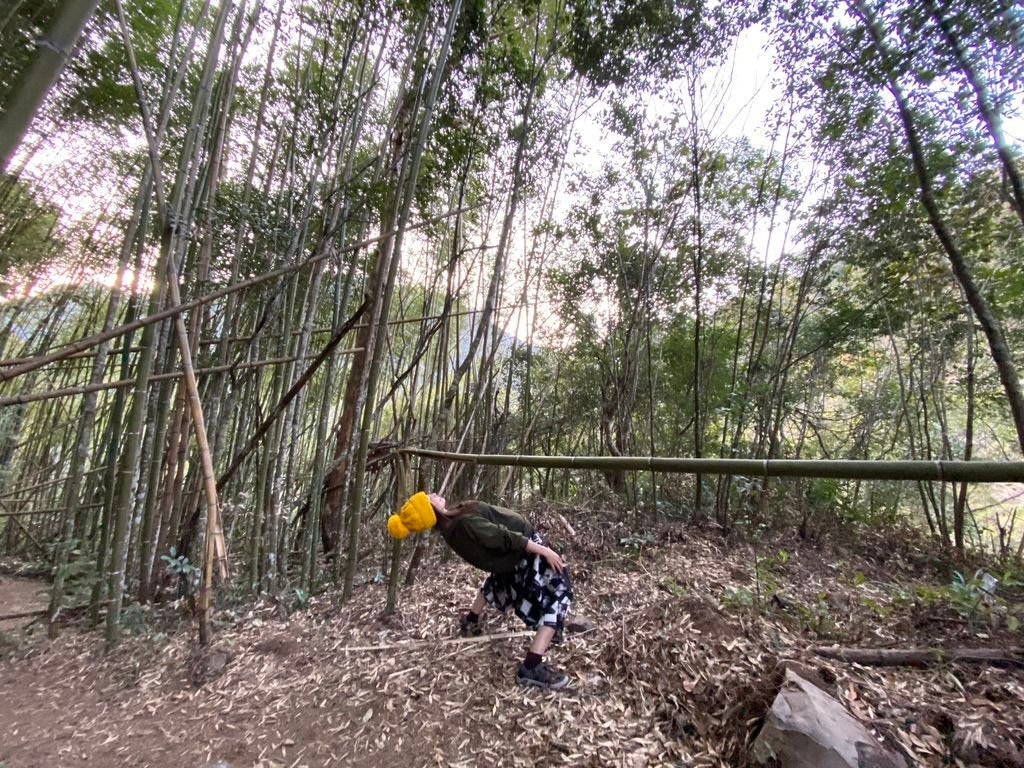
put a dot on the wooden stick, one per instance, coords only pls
(922, 657)
(22, 615)
(214, 546)
(77, 356)
(410, 644)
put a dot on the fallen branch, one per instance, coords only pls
(22, 615)
(922, 657)
(69, 610)
(408, 644)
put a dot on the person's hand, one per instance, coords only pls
(554, 559)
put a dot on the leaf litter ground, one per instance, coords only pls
(680, 668)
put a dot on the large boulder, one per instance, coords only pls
(807, 728)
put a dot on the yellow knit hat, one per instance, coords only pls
(417, 514)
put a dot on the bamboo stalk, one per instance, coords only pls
(53, 51)
(403, 482)
(942, 471)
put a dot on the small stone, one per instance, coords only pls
(216, 663)
(579, 625)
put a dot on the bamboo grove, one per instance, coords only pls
(249, 249)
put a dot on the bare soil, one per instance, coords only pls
(18, 595)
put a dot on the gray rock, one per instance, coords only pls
(807, 728)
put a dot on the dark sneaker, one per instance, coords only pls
(469, 628)
(541, 676)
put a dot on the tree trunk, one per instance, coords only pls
(998, 347)
(53, 51)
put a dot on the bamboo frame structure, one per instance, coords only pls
(30, 512)
(32, 397)
(838, 469)
(4, 495)
(26, 365)
(321, 331)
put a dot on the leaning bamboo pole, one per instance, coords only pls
(838, 469)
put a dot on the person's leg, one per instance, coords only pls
(469, 624)
(533, 670)
(479, 603)
(542, 640)
(542, 600)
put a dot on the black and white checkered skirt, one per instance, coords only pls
(539, 595)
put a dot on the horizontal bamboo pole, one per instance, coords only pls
(23, 614)
(48, 511)
(213, 341)
(327, 329)
(25, 365)
(112, 353)
(839, 469)
(31, 397)
(22, 489)
(30, 512)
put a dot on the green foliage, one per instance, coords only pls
(632, 42)
(102, 91)
(637, 541)
(817, 618)
(27, 242)
(739, 598)
(769, 572)
(134, 619)
(300, 599)
(977, 600)
(673, 587)
(187, 573)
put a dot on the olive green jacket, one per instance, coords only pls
(491, 538)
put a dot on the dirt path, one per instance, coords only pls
(18, 596)
(675, 674)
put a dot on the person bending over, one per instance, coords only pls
(523, 573)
